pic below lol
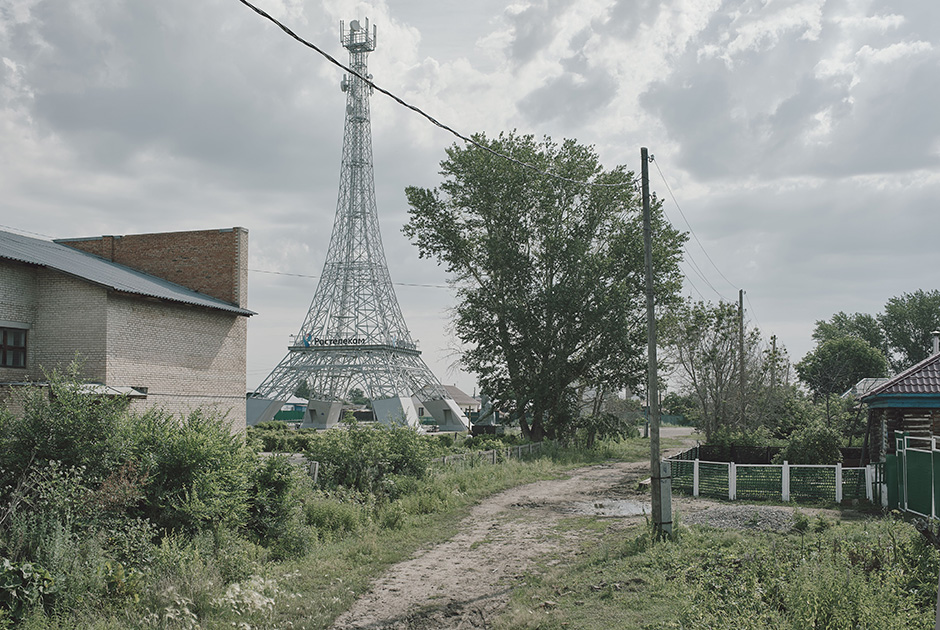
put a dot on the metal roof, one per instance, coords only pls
(921, 379)
(103, 272)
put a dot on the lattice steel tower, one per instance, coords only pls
(354, 334)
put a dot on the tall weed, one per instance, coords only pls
(197, 471)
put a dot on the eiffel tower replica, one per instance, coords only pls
(354, 335)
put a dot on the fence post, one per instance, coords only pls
(732, 481)
(785, 478)
(665, 479)
(870, 482)
(839, 482)
(695, 478)
(314, 470)
(933, 490)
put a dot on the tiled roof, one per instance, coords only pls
(923, 378)
(103, 272)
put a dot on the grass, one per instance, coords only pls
(328, 581)
(310, 592)
(874, 574)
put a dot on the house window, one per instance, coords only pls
(13, 347)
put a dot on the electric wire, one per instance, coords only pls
(691, 231)
(305, 275)
(421, 112)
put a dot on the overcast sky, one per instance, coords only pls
(801, 139)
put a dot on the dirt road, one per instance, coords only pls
(464, 582)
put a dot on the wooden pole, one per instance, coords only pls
(662, 524)
(741, 424)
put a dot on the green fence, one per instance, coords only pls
(912, 475)
(756, 482)
(771, 482)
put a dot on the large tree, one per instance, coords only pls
(549, 272)
(838, 364)
(702, 347)
(861, 325)
(908, 322)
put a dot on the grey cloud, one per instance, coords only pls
(627, 16)
(570, 97)
(116, 80)
(534, 28)
(765, 112)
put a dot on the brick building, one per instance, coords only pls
(160, 317)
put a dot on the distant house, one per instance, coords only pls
(466, 403)
(903, 425)
(909, 402)
(159, 317)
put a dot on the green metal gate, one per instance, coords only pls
(912, 476)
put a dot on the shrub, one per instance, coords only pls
(278, 492)
(23, 585)
(335, 517)
(360, 457)
(759, 437)
(813, 444)
(63, 423)
(197, 471)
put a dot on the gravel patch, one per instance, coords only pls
(744, 517)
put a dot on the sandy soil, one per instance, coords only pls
(464, 582)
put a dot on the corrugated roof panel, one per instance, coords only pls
(923, 378)
(103, 272)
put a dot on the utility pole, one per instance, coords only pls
(773, 363)
(660, 471)
(741, 351)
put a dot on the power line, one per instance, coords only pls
(421, 112)
(691, 231)
(304, 275)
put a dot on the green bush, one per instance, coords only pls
(23, 585)
(63, 423)
(360, 457)
(813, 444)
(726, 436)
(276, 516)
(335, 517)
(197, 471)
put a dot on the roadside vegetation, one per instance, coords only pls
(875, 574)
(110, 519)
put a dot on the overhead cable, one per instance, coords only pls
(691, 231)
(419, 111)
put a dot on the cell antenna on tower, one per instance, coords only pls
(354, 334)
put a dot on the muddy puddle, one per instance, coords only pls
(609, 507)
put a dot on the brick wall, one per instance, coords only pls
(17, 292)
(187, 357)
(71, 321)
(65, 317)
(17, 307)
(214, 262)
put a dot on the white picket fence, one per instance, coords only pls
(760, 488)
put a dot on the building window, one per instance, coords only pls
(13, 347)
